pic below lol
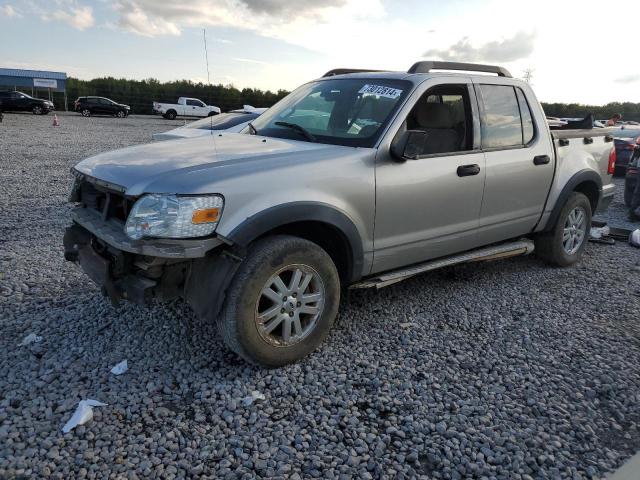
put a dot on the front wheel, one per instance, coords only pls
(565, 243)
(37, 110)
(121, 114)
(281, 303)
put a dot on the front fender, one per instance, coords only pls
(280, 215)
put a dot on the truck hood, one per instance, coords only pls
(158, 167)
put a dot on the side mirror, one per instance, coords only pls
(408, 145)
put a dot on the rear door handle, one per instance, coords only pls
(468, 170)
(541, 160)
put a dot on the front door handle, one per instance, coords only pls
(541, 160)
(468, 170)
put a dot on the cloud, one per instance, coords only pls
(508, 50)
(250, 60)
(288, 9)
(154, 18)
(633, 78)
(75, 15)
(136, 20)
(8, 11)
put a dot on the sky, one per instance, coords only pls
(576, 51)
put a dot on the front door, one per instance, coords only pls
(429, 207)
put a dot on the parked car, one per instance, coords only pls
(186, 107)
(626, 139)
(631, 177)
(21, 102)
(88, 106)
(357, 179)
(232, 121)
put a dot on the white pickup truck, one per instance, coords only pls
(186, 107)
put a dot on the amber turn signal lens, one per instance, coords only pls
(207, 215)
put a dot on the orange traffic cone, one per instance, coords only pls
(56, 123)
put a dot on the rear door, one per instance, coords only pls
(519, 159)
(429, 207)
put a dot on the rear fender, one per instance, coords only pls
(582, 177)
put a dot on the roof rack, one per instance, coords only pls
(344, 71)
(427, 66)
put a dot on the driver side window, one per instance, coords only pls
(444, 115)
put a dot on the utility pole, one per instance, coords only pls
(527, 76)
(206, 54)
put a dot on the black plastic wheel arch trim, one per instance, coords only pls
(583, 176)
(281, 215)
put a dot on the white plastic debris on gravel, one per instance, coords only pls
(120, 368)
(82, 415)
(599, 232)
(254, 397)
(29, 339)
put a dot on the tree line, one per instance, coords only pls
(628, 110)
(140, 95)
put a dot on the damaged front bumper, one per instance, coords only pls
(138, 271)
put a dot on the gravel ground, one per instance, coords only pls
(509, 369)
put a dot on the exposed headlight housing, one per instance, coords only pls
(171, 216)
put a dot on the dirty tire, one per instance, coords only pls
(237, 321)
(549, 245)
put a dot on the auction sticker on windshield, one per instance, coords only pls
(381, 91)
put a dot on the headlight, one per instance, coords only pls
(170, 216)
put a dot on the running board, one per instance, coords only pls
(494, 252)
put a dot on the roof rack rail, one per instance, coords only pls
(344, 71)
(427, 66)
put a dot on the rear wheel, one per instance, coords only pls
(85, 112)
(170, 115)
(281, 303)
(564, 244)
(37, 110)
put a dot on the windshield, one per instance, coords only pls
(350, 112)
(222, 121)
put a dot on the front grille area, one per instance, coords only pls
(110, 204)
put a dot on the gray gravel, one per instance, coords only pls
(505, 370)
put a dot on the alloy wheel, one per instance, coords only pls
(289, 305)
(575, 230)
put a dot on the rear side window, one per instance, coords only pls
(528, 130)
(501, 125)
(506, 120)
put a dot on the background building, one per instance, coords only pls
(37, 83)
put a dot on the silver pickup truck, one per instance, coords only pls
(357, 179)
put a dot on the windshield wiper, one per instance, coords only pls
(253, 129)
(301, 130)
